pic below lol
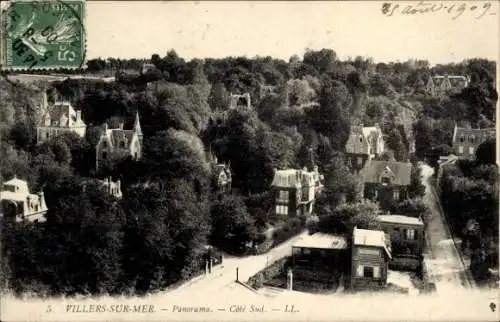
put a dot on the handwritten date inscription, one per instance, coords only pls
(455, 10)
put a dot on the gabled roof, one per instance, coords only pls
(63, 111)
(368, 133)
(400, 171)
(480, 135)
(21, 184)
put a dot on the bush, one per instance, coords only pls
(256, 281)
(291, 228)
(269, 273)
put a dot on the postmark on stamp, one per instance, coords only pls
(44, 34)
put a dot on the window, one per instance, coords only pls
(360, 161)
(385, 181)
(462, 139)
(307, 251)
(281, 210)
(122, 145)
(410, 234)
(396, 194)
(368, 271)
(460, 149)
(472, 139)
(104, 144)
(360, 139)
(283, 195)
(104, 155)
(369, 251)
(375, 193)
(471, 150)
(136, 156)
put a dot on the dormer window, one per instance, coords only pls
(385, 181)
(472, 138)
(122, 144)
(462, 139)
(104, 144)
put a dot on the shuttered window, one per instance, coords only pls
(360, 270)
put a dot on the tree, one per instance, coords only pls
(331, 118)
(219, 97)
(486, 152)
(395, 142)
(164, 236)
(343, 219)
(416, 188)
(176, 154)
(299, 92)
(232, 226)
(322, 60)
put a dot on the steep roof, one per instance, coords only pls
(400, 171)
(369, 134)
(480, 135)
(63, 114)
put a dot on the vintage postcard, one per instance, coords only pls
(249, 160)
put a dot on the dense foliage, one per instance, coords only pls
(155, 235)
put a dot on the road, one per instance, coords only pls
(444, 265)
(223, 278)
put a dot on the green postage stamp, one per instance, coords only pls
(44, 34)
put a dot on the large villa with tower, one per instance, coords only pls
(119, 141)
(58, 118)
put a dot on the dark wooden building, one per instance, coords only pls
(370, 256)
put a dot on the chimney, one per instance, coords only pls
(105, 126)
(42, 200)
(78, 115)
(121, 126)
(118, 185)
(316, 169)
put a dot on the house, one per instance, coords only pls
(441, 84)
(386, 181)
(146, 67)
(407, 236)
(128, 142)
(19, 204)
(320, 258)
(318, 247)
(296, 190)
(113, 188)
(370, 256)
(466, 140)
(59, 118)
(221, 174)
(443, 163)
(363, 144)
(266, 90)
(243, 100)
